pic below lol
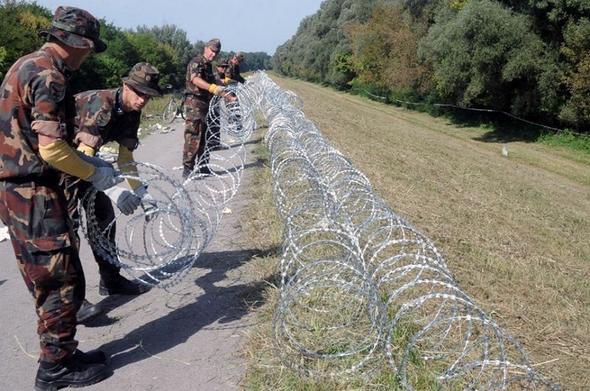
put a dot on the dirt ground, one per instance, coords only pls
(187, 338)
(514, 229)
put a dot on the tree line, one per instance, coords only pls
(527, 57)
(166, 47)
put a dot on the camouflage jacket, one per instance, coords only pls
(199, 67)
(100, 119)
(33, 95)
(233, 72)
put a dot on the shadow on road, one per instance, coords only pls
(217, 304)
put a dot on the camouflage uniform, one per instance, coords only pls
(196, 106)
(32, 205)
(100, 119)
(34, 95)
(232, 72)
(214, 139)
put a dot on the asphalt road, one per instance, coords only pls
(186, 338)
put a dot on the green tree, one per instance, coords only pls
(159, 54)
(385, 50)
(21, 23)
(486, 55)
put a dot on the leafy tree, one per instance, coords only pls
(316, 50)
(485, 54)
(576, 49)
(385, 50)
(21, 23)
(159, 54)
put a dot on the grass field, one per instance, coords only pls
(513, 229)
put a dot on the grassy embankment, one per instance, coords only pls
(513, 229)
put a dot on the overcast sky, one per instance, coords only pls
(248, 25)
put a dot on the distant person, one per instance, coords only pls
(214, 138)
(104, 116)
(36, 113)
(200, 88)
(232, 72)
(221, 66)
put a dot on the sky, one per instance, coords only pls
(250, 26)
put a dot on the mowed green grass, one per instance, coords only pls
(514, 230)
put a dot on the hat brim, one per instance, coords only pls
(141, 88)
(75, 40)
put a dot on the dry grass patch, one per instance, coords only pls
(513, 230)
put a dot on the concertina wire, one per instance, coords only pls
(360, 288)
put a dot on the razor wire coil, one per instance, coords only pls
(360, 287)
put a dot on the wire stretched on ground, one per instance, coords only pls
(362, 291)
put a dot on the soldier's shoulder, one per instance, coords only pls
(37, 65)
(96, 99)
(95, 106)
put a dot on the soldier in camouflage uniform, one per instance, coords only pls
(232, 72)
(104, 116)
(233, 76)
(221, 66)
(35, 113)
(214, 139)
(200, 88)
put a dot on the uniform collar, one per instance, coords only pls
(59, 63)
(118, 108)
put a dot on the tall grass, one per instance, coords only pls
(567, 139)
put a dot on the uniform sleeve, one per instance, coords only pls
(91, 117)
(197, 69)
(46, 94)
(127, 135)
(228, 72)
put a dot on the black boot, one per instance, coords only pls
(119, 285)
(205, 170)
(87, 311)
(186, 172)
(92, 357)
(70, 372)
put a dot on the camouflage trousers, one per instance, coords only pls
(34, 210)
(195, 133)
(75, 190)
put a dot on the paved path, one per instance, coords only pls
(185, 339)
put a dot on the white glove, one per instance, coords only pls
(148, 203)
(125, 200)
(104, 177)
(149, 206)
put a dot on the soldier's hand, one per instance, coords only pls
(104, 178)
(149, 206)
(125, 200)
(148, 203)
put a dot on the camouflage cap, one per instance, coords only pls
(144, 78)
(214, 44)
(223, 63)
(77, 28)
(239, 56)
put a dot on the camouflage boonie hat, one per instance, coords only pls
(76, 28)
(223, 63)
(214, 44)
(144, 78)
(240, 56)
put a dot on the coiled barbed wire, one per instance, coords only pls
(160, 248)
(360, 285)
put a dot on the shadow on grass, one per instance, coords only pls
(498, 127)
(217, 304)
